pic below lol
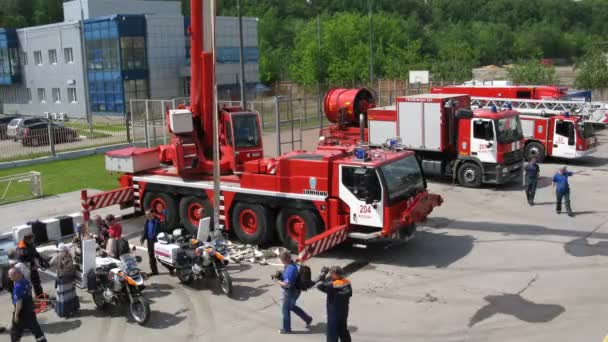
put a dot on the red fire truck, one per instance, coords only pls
(561, 136)
(507, 91)
(310, 200)
(474, 147)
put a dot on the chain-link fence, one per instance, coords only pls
(32, 137)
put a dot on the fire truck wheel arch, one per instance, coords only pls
(470, 175)
(535, 149)
(162, 202)
(291, 222)
(252, 223)
(189, 207)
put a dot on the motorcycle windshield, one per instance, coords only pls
(129, 264)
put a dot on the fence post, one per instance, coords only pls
(51, 139)
(154, 138)
(146, 120)
(277, 119)
(164, 119)
(127, 127)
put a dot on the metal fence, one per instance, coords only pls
(47, 137)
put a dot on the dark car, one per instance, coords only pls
(15, 127)
(4, 121)
(38, 134)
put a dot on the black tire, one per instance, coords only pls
(225, 282)
(535, 149)
(171, 220)
(140, 310)
(187, 206)
(251, 223)
(99, 301)
(469, 175)
(288, 216)
(183, 276)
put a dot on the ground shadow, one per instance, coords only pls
(242, 292)
(543, 182)
(164, 320)
(590, 161)
(56, 328)
(515, 305)
(158, 291)
(582, 248)
(426, 249)
(239, 292)
(321, 328)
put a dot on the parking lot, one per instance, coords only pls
(485, 267)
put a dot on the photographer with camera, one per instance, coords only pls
(339, 291)
(288, 280)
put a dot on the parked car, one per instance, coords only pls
(4, 121)
(15, 127)
(38, 134)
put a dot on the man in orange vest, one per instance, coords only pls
(339, 291)
(27, 254)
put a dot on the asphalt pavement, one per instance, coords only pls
(485, 267)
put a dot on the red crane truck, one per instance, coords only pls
(474, 147)
(311, 200)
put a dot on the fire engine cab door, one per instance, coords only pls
(244, 137)
(564, 139)
(357, 190)
(483, 140)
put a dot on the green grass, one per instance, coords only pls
(92, 135)
(83, 126)
(70, 175)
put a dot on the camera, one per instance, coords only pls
(277, 276)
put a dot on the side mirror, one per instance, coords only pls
(490, 144)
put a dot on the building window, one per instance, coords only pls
(24, 58)
(133, 53)
(41, 95)
(53, 56)
(38, 57)
(56, 95)
(68, 55)
(29, 95)
(72, 95)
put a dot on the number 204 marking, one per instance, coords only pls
(365, 209)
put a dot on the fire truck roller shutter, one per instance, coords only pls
(189, 212)
(535, 149)
(252, 223)
(291, 222)
(166, 206)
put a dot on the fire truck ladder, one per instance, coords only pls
(537, 107)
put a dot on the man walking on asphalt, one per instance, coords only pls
(151, 228)
(532, 173)
(562, 190)
(24, 316)
(290, 293)
(339, 291)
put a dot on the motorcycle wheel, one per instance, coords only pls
(100, 303)
(225, 282)
(183, 276)
(140, 311)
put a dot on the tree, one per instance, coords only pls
(533, 72)
(592, 71)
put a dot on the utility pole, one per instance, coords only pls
(242, 54)
(371, 37)
(216, 124)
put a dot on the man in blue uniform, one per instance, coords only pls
(24, 316)
(532, 173)
(290, 293)
(151, 230)
(339, 291)
(562, 190)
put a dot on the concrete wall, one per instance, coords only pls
(47, 75)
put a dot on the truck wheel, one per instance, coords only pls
(291, 223)
(252, 224)
(189, 208)
(535, 149)
(469, 175)
(165, 205)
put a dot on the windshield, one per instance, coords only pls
(585, 130)
(508, 130)
(402, 177)
(246, 131)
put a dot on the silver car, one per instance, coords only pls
(14, 130)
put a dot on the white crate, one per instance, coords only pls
(180, 121)
(132, 160)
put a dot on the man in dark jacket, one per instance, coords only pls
(339, 291)
(24, 316)
(27, 254)
(532, 173)
(150, 233)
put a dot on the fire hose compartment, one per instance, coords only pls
(132, 159)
